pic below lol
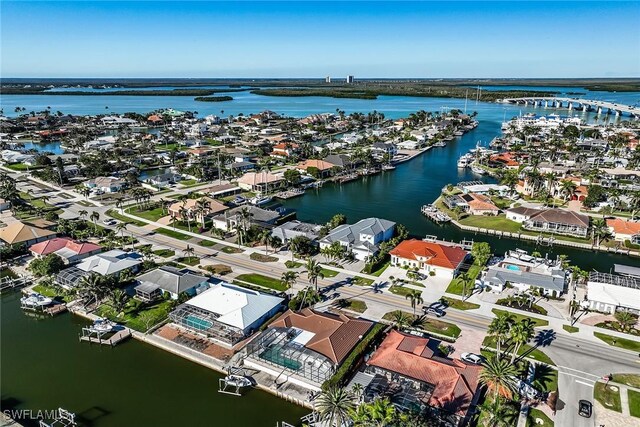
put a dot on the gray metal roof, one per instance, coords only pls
(627, 270)
(172, 279)
(351, 233)
(501, 276)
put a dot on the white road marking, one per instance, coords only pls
(587, 384)
(577, 370)
(578, 376)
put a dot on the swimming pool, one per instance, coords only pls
(197, 323)
(273, 355)
(513, 267)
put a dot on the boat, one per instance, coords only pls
(388, 167)
(237, 381)
(102, 325)
(478, 170)
(449, 138)
(465, 161)
(347, 178)
(257, 201)
(35, 300)
(440, 144)
(458, 133)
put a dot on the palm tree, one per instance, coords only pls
(600, 230)
(120, 227)
(382, 412)
(334, 406)
(83, 213)
(189, 251)
(626, 320)
(415, 297)
(499, 328)
(289, 278)
(314, 271)
(357, 389)
(520, 334)
(466, 281)
(497, 375)
(265, 239)
(400, 319)
(498, 413)
(568, 189)
(95, 216)
(118, 300)
(92, 288)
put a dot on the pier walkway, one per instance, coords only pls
(576, 104)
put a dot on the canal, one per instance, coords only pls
(44, 367)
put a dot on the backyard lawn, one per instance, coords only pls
(608, 396)
(499, 222)
(455, 286)
(150, 214)
(260, 280)
(138, 315)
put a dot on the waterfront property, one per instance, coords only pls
(362, 238)
(291, 229)
(226, 313)
(229, 219)
(196, 208)
(442, 260)
(308, 345)
(169, 280)
(107, 264)
(69, 250)
(419, 378)
(18, 233)
(612, 292)
(525, 272)
(623, 230)
(105, 184)
(260, 182)
(557, 221)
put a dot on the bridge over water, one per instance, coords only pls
(600, 107)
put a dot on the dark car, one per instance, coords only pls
(584, 408)
(435, 311)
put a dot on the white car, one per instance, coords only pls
(471, 358)
(109, 221)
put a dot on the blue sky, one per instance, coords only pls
(309, 39)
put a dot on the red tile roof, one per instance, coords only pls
(454, 382)
(621, 226)
(436, 254)
(53, 245)
(335, 335)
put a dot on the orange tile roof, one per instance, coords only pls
(313, 163)
(454, 382)
(436, 254)
(480, 202)
(623, 226)
(335, 335)
(53, 245)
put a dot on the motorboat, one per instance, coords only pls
(465, 161)
(102, 325)
(440, 144)
(237, 381)
(261, 200)
(36, 300)
(458, 133)
(388, 167)
(478, 170)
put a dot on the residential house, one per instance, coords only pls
(624, 230)
(18, 233)
(285, 149)
(107, 184)
(440, 259)
(308, 345)
(317, 168)
(69, 250)
(108, 264)
(226, 313)
(361, 238)
(170, 280)
(341, 161)
(380, 149)
(479, 204)
(609, 293)
(422, 378)
(164, 180)
(525, 272)
(291, 229)
(228, 220)
(260, 181)
(554, 220)
(211, 208)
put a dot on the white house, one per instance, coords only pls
(429, 257)
(361, 238)
(612, 292)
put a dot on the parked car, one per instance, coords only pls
(239, 200)
(109, 221)
(585, 408)
(476, 359)
(435, 311)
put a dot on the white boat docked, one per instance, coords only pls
(458, 133)
(237, 381)
(465, 161)
(388, 167)
(102, 325)
(35, 300)
(257, 201)
(440, 144)
(478, 170)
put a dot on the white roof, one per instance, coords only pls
(109, 262)
(236, 306)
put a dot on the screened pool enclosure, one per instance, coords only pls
(284, 348)
(204, 322)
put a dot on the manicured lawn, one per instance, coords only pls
(401, 290)
(191, 260)
(329, 273)
(165, 253)
(52, 292)
(536, 414)
(607, 396)
(618, 342)
(260, 280)
(231, 250)
(430, 325)
(262, 257)
(460, 305)
(353, 305)
(455, 286)
(172, 233)
(220, 269)
(380, 270)
(519, 317)
(133, 317)
(293, 264)
(206, 243)
(536, 309)
(634, 403)
(546, 378)
(151, 214)
(632, 380)
(187, 182)
(362, 281)
(570, 329)
(499, 222)
(536, 354)
(115, 215)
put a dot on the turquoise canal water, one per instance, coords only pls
(44, 367)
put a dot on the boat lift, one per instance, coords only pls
(225, 385)
(64, 419)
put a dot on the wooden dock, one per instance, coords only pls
(55, 309)
(7, 282)
(434, 214)
(289, 194)
(113, 340)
